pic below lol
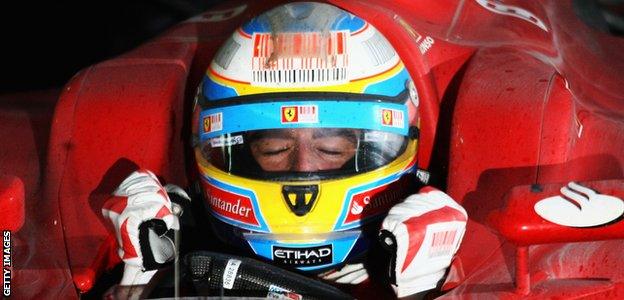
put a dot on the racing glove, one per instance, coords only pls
(348, 274)
(422, 234)
(143, 216)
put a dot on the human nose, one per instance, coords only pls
(304, 160)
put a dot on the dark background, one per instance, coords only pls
(44, 44)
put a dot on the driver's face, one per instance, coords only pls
(304, 150)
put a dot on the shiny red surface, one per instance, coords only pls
(497, 119)
(11, 202)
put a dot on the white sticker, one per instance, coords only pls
(426, 44)
(229, 274)
(226, 141)
(213, 122)
(300, 114)
(375, 136)
(581, 207)
(276, 292)
(392, 118)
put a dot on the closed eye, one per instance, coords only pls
(274, 152)
(330, 152)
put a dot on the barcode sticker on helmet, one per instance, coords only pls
(299, 58)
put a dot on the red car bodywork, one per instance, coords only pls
(510, 112)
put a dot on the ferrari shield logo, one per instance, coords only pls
(386, 117)
(213, 122)
(392, 118)
(206, 124)
(300, 198)
(289, 114)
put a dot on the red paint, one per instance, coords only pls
(163, 212)
(290, 114)
(116, 204)
(522, 279)
(11, 202)
(518, 222)
(126, 243)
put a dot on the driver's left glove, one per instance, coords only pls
(422, 233)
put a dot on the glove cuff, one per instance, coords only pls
(418, 284)
(134, 275)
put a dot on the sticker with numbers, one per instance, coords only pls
(392, 118)
(299, 114)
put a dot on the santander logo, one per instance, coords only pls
(579, 206)
(230, 205)
(375, 201)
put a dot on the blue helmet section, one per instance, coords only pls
(342, 21)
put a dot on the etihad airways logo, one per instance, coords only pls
(312, 256)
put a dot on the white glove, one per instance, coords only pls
(424, 232)
(138, 199)
(348, 274)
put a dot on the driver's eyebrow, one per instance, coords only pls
(284, 134)
(331, 132)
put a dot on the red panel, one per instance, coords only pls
(520, 224)
(514, 123)
(11, 202)
(115, 117)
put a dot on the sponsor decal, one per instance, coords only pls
(223, 141)
(300, 58)
(376, 136)
(442, 243)
(423, 176)
(377, 200)
(230, 205)
(579, 206)
(7, 263)
(301, 257)
(276, 292)
(392, 118)
(213, 122)
(299, 114)
(426, 44)
(229, 273)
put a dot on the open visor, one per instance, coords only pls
(304, 139)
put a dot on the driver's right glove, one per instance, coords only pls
(422, 234)
(142, 216)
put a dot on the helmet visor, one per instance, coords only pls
(302, 153)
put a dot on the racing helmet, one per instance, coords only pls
(305, 134)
